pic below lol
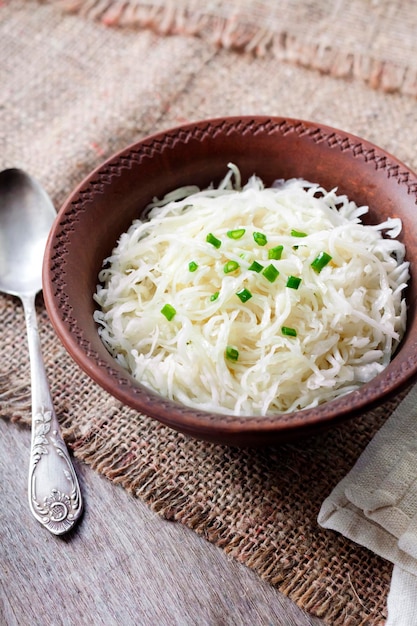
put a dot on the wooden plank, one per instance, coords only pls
(124, 565)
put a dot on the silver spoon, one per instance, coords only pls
(26, 216)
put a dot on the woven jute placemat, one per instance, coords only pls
(73, 92)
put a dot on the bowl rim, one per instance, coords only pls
(186, 418)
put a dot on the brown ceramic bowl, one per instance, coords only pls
(106, 202)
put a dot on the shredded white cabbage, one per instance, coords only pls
(347, 318)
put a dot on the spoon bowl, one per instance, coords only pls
(26, 217)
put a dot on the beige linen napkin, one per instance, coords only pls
(375, 505)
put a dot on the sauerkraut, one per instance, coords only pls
(249, 300)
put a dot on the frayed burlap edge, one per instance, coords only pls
(233, 33)
(295, 573)
(15, 397)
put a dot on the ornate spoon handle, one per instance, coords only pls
(54, 493)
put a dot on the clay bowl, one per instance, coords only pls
(106, 202)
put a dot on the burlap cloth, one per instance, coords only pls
(74, 90)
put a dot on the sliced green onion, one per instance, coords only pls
(321, 261)
(232, 353)
(169, 311)
(230, 266)
(244, 295)
(298, 233)
(293, 282)
(213, 240)
(260, 239)
(271, 273)
(275, 253)
(192, 266)
(289, 332)
(214, 296)
(236, 234)
(255, 267)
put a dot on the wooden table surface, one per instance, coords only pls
(123, 565)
